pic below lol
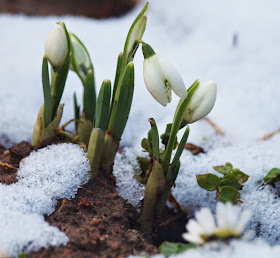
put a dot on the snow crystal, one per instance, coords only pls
(56, 171)
(125, 168)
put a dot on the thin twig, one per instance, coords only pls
(173, 218)
(62, 205)
(269, 135)
(218, 129)
(7, 165)
(175, 203)
(67, 123)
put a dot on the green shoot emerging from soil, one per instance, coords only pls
(57, 54)
(162, 171)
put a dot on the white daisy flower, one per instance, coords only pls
(230, 224)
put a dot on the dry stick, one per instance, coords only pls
(269, 135)
(62, 205)
(175, 203)
(218, 129)
(7, 165)
(175, 217)
(62, 127)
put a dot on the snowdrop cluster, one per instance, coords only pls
(230, 223)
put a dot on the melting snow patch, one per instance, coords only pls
(56, 171)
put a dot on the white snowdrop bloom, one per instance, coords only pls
(56, 45)
(230, 224)
(161, 77)
(201, 102)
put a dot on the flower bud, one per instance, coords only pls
(161, 77)
(56, 46)
(80, 60)
(136, 34)
(201, 102)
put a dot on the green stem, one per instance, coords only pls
(177, 120)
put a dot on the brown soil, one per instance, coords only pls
(97, 221)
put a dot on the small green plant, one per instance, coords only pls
(163, 171)
(273, 176)
(113, 108)
(57, 54)
(228, 186)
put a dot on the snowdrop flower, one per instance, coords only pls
(161, 77)
(230, 224)
(201, 102)
(56, 45)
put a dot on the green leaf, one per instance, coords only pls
(241, 177)
(168, 248)
(95, 149)
(89, 96)
(47, 92)
(229, 194)
(209, 182)
(180, 148)
(58, 84)
(155, 139)
(122, 107)
(233, 183)
(103, 106)
(226, 169)
(273, 176)
(165, 137)
(117, 77)
(146, 145)
(135, 33)
(177, 120)
(76, 110)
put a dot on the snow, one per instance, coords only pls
(197, 38)
(43, 177)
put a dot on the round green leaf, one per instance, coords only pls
(242, 177)
(273, 176)
(224, 169)
(232, 183)
(229, 194)
(209, 182)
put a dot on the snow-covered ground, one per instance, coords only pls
(234, 43)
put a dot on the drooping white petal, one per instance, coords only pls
(173, 77)
(206, 220)
(243, 220)
(154, 82)
(56, 46)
